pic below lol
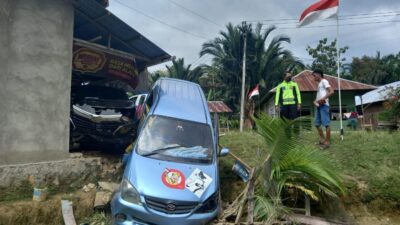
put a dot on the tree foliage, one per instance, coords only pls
(181, 71)
(325, 56)
(291, 165)
(266, 61)
(376, 70)
(178, 70)
(154, 76)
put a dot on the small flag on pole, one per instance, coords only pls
(254, 92)
(323, 9)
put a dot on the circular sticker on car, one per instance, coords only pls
(173, 179)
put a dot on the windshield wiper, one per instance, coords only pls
(161, 150)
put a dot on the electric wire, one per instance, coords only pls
(341, 17)
(160, 21)
(195, 13)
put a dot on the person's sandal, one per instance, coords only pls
(324, 146)
(319, 143)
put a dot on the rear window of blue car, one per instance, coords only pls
(176, 140)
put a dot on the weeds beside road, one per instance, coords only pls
(369, 161)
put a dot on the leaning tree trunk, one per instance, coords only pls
(249, 113)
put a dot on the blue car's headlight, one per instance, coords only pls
(210, 204)
(129, 192)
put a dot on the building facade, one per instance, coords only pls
(36, 42)
(308, 88)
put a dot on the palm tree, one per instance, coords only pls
(154, 76)
(290, 165)
(180, 71)
(227, 52)
(266, 60)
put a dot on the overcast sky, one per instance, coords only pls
(375, 24)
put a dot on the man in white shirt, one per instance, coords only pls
(322, 112)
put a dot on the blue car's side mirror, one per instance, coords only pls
(224, 152)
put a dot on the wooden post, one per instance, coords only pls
(245, 197)
(250, 200)
(307, 206)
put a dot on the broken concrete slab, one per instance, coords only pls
(108, 186)
(88, 187)
(67, 212)
(102, 199)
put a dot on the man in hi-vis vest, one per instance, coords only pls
(288, 98)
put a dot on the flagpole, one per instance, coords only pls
(338, 75)
(243, 81)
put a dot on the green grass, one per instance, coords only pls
(369, 162)
(247, 146)
(371, 158)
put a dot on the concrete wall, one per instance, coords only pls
(35, 76)
(143, 85)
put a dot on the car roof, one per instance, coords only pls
(180, 99)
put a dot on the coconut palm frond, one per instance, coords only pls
(293, 165)
(314, 165)
(305, 190)
(268, 209)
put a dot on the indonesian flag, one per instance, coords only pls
(254, 92)
(323, 9)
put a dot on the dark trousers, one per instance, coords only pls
(289, 111)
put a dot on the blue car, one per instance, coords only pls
(171, 175)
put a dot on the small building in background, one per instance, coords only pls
(372, 103)
(308, 88)
(220, 108)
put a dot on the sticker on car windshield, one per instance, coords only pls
(173, 179)
(198, 182)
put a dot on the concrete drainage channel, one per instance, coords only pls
(32, 193)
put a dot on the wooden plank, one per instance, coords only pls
(241, 204)
(245, 197)
(67, 212)
(233, 208)
(250, 200)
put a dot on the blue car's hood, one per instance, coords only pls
(148, 177)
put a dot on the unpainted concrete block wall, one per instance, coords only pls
(35, 77)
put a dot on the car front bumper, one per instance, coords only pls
(141, 215)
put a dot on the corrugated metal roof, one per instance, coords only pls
(181, 99)
(218, 107)
(94, 22)
(306, 82)
(380, 94)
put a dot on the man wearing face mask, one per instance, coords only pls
(288, 98)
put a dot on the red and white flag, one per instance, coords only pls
(254, 92)
(323, 9)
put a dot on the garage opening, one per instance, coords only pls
(109, 79)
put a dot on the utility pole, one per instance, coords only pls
(243, 80)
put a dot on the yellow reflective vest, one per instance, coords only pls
(288, 93)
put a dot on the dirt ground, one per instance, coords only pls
(24, 211)
(364, 215)
(17, 207)
(375, 212)
(47, 212)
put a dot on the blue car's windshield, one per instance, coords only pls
(175, 139)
